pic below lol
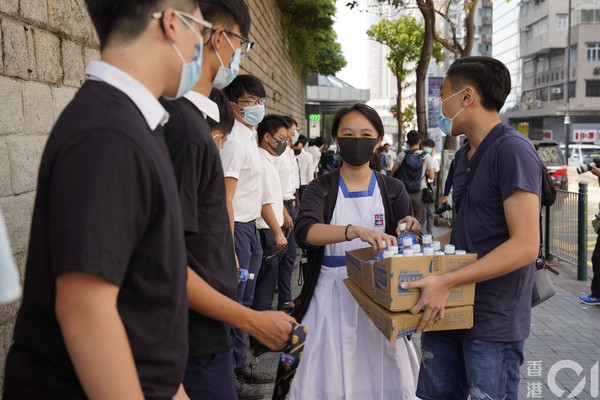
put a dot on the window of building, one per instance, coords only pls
(540, 27)
(592, 88)
(541, 94)
(556, 59)
(556, 92)
(572, 91)
(543, 64)
(562, 21)
(593, 52)
(528, 68)
(573, 54)
(588, 15)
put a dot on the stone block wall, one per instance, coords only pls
(44, 47)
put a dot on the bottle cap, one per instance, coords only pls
(416, 248)
(398, 255)
(250, 277)
(460, 252)
(449, 249)
(388, 253)
(402, 226)
(407, 242)
(435, 245)
(427, 239)
(427, 251)
(408, 252)
(393, 248)
(438, 253)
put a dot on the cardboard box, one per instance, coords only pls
(397, 324)
(381, 279)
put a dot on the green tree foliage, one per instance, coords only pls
(308, 26)
(404, 38)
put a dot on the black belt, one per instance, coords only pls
(288, 202)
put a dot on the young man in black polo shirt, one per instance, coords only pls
(212, 280)
(104, 307)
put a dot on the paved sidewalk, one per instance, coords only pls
(562, 354)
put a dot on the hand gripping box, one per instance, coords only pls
(397, 324)
(381, 279)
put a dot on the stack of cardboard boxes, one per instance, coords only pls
(376, 287)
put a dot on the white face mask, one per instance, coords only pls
(220, 136)
(227, 74)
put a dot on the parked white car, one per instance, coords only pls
(582, 154)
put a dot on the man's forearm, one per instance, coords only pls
(205, 300)
(269, 216)
(96, 338)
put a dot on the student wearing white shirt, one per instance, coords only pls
(305, 163)
(272, 138)
(243, 186)
(315, 150)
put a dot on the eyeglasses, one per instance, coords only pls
(199, 21)
(253, 102)
(246, 43)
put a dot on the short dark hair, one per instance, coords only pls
(270, 124)
(368, 112)
(428, 143)
(319, 141)
(228, 13)
(226, 117)
(290, 120)
(489, 76)
(244, 84)
(128, 19)
(302, 139)
(413, 137)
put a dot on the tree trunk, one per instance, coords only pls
(399, 114)
(470, 28)
(427, 10)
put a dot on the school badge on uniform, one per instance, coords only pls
(378, 221)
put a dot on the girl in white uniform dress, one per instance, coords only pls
(345, 355)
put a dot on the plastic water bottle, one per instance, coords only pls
(406, 243)
(242, 275)
(378, 255)
(388, 253)
(426, 240)
(438, 253)
(428, 251)
(449, 249)
(435, 245)
(460, 252)
(393, 249)
(416, 248)
(406, 234)
(408, 252)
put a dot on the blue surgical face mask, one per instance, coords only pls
(296, 136)
(226, 75)
(190, 72)
(427, 150)
(444, 122)
(253, 115)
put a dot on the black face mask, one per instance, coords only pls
(280, 147)
(297, 151)
(356, 151)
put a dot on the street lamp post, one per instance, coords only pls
(567, 81)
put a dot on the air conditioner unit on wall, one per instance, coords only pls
(538, 103)
(556, 90)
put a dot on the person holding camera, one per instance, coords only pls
(594, 297)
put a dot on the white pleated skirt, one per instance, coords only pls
(345, 356)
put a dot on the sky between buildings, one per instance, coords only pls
(351, 27)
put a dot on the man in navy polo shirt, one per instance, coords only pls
(104, 311)
(497, 182)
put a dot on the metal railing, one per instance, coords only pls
(565, 233)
